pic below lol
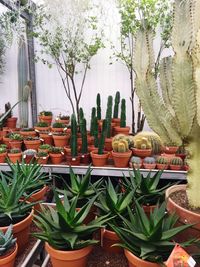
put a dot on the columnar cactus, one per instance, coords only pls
(116, 106)
(102, 138)
(123, 113)
(98, 106)
(109, 115)
(175, 115)
(96, 131)
(93, 115)
(84, 149)
(73, 141)
(81, 117)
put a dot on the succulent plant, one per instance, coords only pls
(123, 113)
(56, 150)
(41, 154)
(7, 241)
(162, 160)
(116, 106)
(2, 150)
(16, 136)
(45, 146)
(109, 116)
(96, 132)
(84, 148)
(3, 146)
(63, 117)
(27, 129)
(93, 115)
(73, 140)
(98, 101)
(58, 125)
(42, 124)
(142, 143)
(149, 160)
(176, 161)
(15, 151)
(120, 146)
(46, 113)
(101, 142)
(136, 160)
(31, 138)
(29, 152)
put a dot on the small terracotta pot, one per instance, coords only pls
(47, 119)
(142, 153)
(9, 260)
(42, 129)
(3, 157)
(42, 160)
(28, 133)
(28, 158)
(15, 157)
(175, 167)
(108, 144)
(57, 130)
(149, 166)
(134, 261)
(109, 238)
(121, 130)
(56, 158)
(116, 121)
(47, 139)
(74, 258)
(32, 144)
(38, 196)
(121, 160)
(85, 159)
(60, 140)
(162, 166)
(73, 161)
(15, 144)
(11, 122)
(6, 141)
(99, 160)
(170, 149)
(21, 231)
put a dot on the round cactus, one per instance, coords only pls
(176, 161)
(149, 160)
(142, 143)
(162, 160)
(136, 160)
(120, 146)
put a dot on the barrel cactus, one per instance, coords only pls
(142, 143)
(162, 160)
(149, 160)
(174, 115)
(120, 146)
(176, 161)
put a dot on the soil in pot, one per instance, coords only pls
(175, 167)
(8, 260)
(121, 160)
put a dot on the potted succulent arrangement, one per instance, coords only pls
(16, 140)
(135, 162)
(116, 118)
(121, 153)
(11, 122)
(32, 142)
(56, 155)
(67, 239)
(60, 139)
(42, 126)
(149, 241)
(113, 202)
(142, 147)
(3, 154)
(28, 132)
(149, 163)
(99, 157)
(46, 116)
(170, 149)
(28, 155)
(64, 119)
(15, 155)
(108, 139)
(176, 163)
(58, 127)
(8, 248)
(46, 137)
(42, 157)
(123, 129)
(44, 148)
(162, 163)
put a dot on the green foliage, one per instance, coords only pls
(150, 239)
(101, 142)
(45, 146)
(2, 150)
(2, 54)
(7, 241)
(58, 125)
(109, 116)
(93, 115)
(98, 101)
(162, 160)
(96, 132)
(73, 140)
(16, 136)
(42, 154)
(84, 148)
(63, 227)
(146, 188)
(120, 146)
(46, 113)
(176, 161)
(56, 150)
(42, 124)
(15, 151)
(116, 106)
(123, 113)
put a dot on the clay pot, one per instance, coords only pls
(116, 121)
(42, 160)
(47, 119)
(73, 161)
(108, 144)
(28, 158)
(175, 167)
(185, 216)
(121, 130)
(15, 157)
(15, 144)
(135, 165)
(3, 157)
(57, 130)
(134, 261)
(21, 231)
(85, 159)
(32, 144)
(6, 141)
(99, 160)
(60, 140)
(162, 166)
(47, 139)
(74, 258)
(149, 166)
(42, 129)
(37, 197)
(148, 209)
(121, 160)
(142, 153)
(170, 149)
(67, 151)
(9, 259)
(109, 238)
(56, 158)
(28, 133)
(11, 122)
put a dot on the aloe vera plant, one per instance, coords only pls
(7, 241)
(63, 227)
(150, 238)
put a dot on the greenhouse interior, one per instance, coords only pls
(99, 133)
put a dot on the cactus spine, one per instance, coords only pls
(84, 148)
(102, 138)
(162, 160)
(93, 115)
(123, 113)
(116, 106)
(98, 106)
(109, 115)
(120, 146)
(176, 161)
(73, 141)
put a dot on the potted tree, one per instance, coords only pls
(116, 118)
(46, 116)
(123, 129)
(121, 153)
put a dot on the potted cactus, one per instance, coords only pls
(56, 155)
(8, 248)
(58, 127)
(42, 126)
(149, 163)
(162, 163)
(42, 157)
(28, 155)
(116, 118)
(94, 146)
(135, 162)
(3, 154)
(121, 153)
(44, 148)
(6, 140)
(123, 129)
(99, 157)
(16, 140)
(60, 139)
(64, 119)
(46, 116)
(98, 102)
(28, 132)
(15, 155)
(32, 142)
(108, 139)
(142, 147)
(85, 155)
(170, 149)
(176, 164)
(46, 137)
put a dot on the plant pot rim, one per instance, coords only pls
(122, 154)
(10, 257)
(37, 195)
(109, 234)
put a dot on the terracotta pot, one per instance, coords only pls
(74, 258)
(67, 151)
(15, 144)
(85, 159)
(99, 160)
(134, 261)
(43, 150)
(47, 139)
(149, 166)
(56, 158)
(121, 160)
(32, 144)
(73, 161)
(37, 197)
(148, 209)
(162, 166)
(92, 148)
(21, 231)
(57, 130)
(182, 156)
(42, 160)
(175, 167)
(142, 153)
(28, 158)
(3, 133)
(9, 260)
(109, 238)
(135, 165)
(185, 216)
(47, 119)
(3, 157)
(28, 133)
(121, 130)
(42, 129)
(170, 149)
(169, 156)
(60, 140)
(11, 122)
(116, 121)
(15, 157)
(6, 141)
(108, 144)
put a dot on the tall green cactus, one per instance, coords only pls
(73, 141)
(175, 115)
(98, 106)
(102, 137)
(93, 115)
(123, 114)
(81, 117)
(84, 148)
(96, 132)
(116, 106)
(109, 115)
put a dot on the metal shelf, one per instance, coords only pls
(103, 171)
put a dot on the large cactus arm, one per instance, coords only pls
(183, 101)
